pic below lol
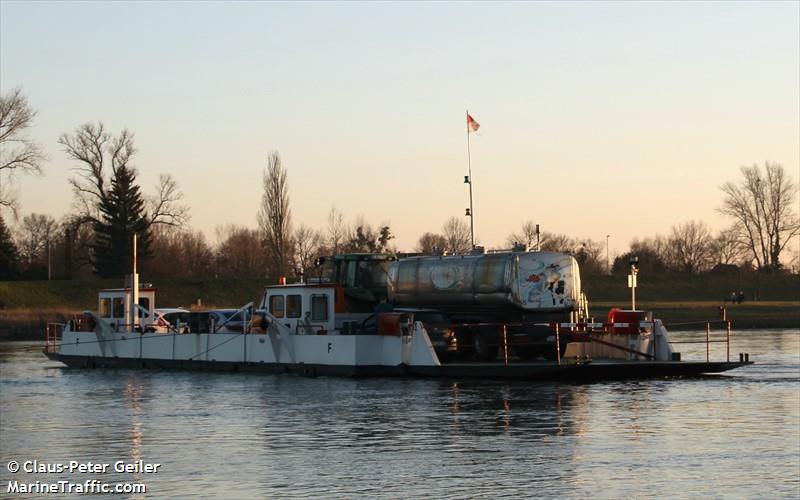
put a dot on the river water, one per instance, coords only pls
(248, 435)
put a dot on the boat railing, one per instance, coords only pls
(82, 323)
(119, 327)
(591, 331)
(725, 323)
(244, 314)
(588, 331)
(52, 336)
(309, 329)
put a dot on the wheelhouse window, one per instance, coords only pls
(294, 306)
(276, 306)
(144, 302)
(319, 308)
(105, 308)
(118, 308)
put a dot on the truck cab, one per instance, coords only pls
(362, 276)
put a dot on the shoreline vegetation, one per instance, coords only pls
(770, 301)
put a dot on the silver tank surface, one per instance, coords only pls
(532, 281)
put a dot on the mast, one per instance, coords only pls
(133, 306)
(468, 180)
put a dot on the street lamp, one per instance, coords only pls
(633, 260)
(608, 268)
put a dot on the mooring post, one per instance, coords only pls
(728, 341)
(655, 340)
(558, 345)
(505, 344)
(708, 341)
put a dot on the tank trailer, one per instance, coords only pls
(479, 294)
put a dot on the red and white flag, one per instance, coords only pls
(472, 125)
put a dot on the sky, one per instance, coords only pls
(597, 118)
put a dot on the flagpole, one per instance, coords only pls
(471, 210)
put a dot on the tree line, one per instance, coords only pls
(95, 239)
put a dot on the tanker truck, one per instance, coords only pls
(486, 292)
(478, 294)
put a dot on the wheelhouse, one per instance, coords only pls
(303, 308)
(113, 305)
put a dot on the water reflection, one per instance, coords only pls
(536, 409)
(133, 394)
(236, 436)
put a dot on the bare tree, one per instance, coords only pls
(274, 217)
(457, 236)
(93, 148)
(99, 157)
(103, 171)
(222, 232)
(337, 231)
(728, 247)
(428, 242)
(650, 253)
(179, 254)
(240, 253)
(794, 257)
(72, 248)
(762, 204)
(558, 242)
(691, 247)
(18, 153)
(587, 252)
(307, 246)
(525, 236)
(589, 255)
(41, 242)
(163, 206)
(34, 236)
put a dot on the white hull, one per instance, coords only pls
(270, 348)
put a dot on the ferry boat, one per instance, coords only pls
(321, 329)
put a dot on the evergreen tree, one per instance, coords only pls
(9, 256)
(122, 213)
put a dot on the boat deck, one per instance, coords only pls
(594, 370)
(515, 370)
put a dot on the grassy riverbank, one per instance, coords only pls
(748, 315)
(770, 301)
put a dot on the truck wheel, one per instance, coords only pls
(528, 353)
(445, 357)
(464, 351)
(549, 352)
(484, 346)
